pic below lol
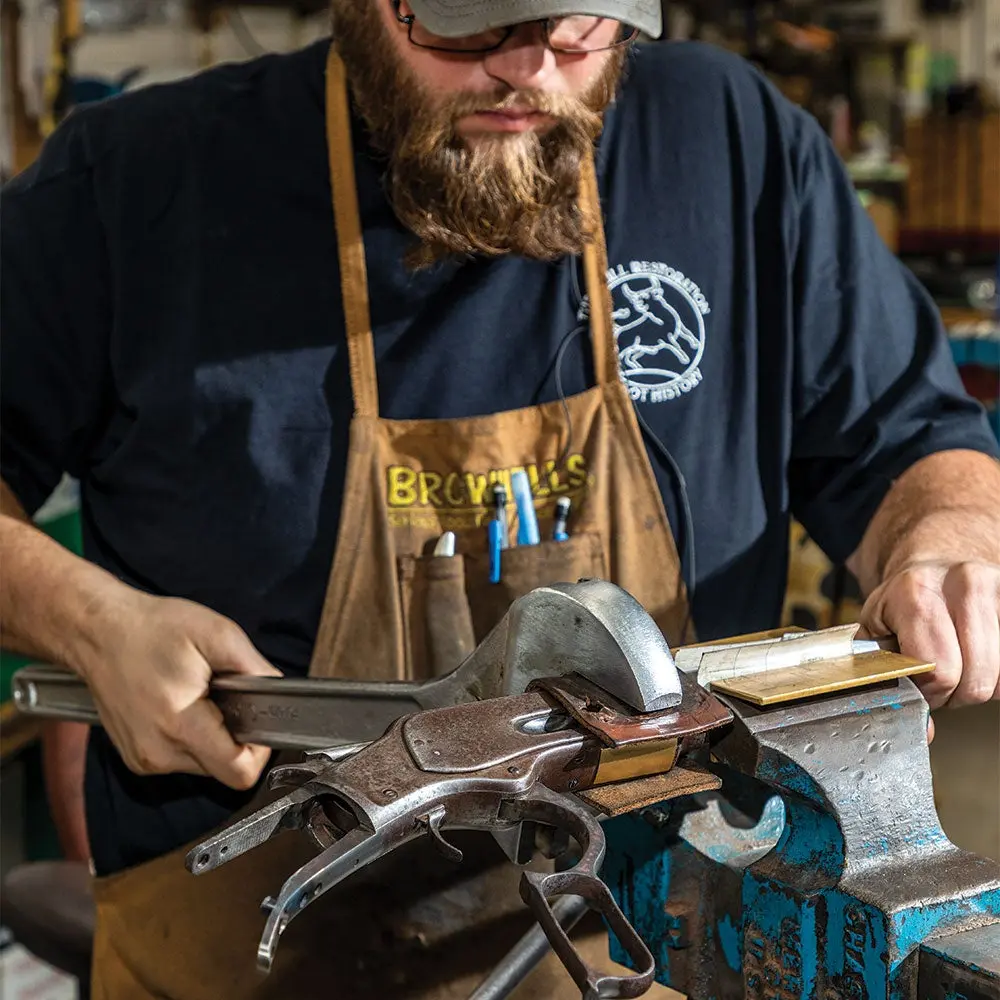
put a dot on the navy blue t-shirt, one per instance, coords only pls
(173, 337)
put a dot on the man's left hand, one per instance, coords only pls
(949, 613)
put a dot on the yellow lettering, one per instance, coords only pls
(539, 488)
(407, 487)
(453, 489)
(553, 477)
(576, 467)
(430, 483)
(476, 486)
(401, 483)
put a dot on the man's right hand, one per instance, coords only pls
(149, 673)
(148, 660)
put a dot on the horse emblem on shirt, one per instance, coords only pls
(659, 322)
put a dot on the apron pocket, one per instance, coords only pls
(525, 567)
(437, 624)
(449, 604)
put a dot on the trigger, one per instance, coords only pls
(290, 775)
(433, 821)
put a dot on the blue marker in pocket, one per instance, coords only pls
(527, 520)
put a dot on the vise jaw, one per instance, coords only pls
(819, 870)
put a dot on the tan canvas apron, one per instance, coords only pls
(395, 610)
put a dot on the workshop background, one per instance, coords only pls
(908, 90)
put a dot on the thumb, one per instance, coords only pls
(205, 738)
(872, 617)
(230, 651)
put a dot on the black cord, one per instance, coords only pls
(560, 354)
(575, 279)
(688, 520)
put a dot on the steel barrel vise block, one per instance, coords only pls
(820, 869)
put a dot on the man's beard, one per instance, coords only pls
(508, 193)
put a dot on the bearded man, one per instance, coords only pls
(287, 321)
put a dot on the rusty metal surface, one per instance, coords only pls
(629, 796)
(463, 739)
(500, 767)
(615, 724)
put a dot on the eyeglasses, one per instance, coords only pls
(572, 34)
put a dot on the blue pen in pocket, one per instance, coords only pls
(495, 537)
(559, 532)
(527, 520)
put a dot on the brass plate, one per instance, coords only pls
(821, 677)
(635, 760)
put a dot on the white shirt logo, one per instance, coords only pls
(659, 321)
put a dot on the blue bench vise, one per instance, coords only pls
(819, 869)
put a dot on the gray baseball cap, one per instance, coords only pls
(451, 18)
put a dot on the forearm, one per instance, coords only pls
(50, 599)
(945, 507)
(64, 759)
(148, 661)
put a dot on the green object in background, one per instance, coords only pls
(942, 72)
(8, 664)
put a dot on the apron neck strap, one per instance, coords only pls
(595, 266)
(350, 244)
(354, 275)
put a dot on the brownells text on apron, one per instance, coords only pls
(395, 610)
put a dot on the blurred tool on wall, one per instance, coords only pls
(42, 39)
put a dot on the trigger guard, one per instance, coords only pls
(538, 888)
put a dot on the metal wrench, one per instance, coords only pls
(593, 628)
